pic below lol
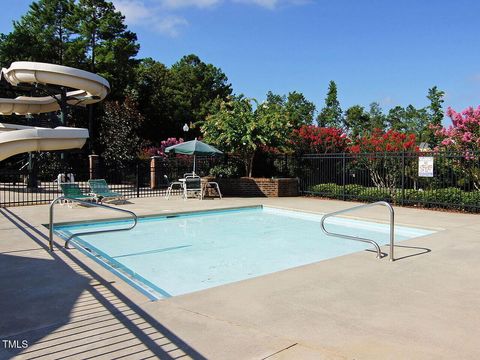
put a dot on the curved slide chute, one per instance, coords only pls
(17, 139)
(90, 88)
(86, 88)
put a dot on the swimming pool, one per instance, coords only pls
(166, 256)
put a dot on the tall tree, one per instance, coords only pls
(377, 117)
(395, 118)
(276, 99)
(194, 86)
(119, 133)
(435, 108)
(331, 114)
(151, 89)
(45, 33)
(410, 120)
(242, 125)
(356, 120)
(435, 112)
(110, 48)
(300, 111)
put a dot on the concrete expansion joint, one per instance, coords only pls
(233, 323)
(279, 351)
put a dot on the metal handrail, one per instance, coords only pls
(357, 238)
(52, 204)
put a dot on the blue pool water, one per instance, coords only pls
(168, 256)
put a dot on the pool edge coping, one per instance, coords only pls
(173, 213)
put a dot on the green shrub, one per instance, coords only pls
(333, 191)
(353, 189)
(471, 198)
(447, 195)
(412, 196)
(374, 194)
(229, 170)
(451, 196)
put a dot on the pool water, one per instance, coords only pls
(168, 256)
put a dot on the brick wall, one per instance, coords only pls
(257, 187)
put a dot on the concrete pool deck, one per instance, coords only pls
(425, 305)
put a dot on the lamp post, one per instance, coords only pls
(185, 129)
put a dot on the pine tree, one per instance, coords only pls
(110, 48)
(45, 34)
(435, 113)
(331, 114)
(436, 100)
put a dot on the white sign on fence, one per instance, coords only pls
(425, 166)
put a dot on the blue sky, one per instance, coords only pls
(388, 51)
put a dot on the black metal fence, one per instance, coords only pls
(34, 181)
(453, 182)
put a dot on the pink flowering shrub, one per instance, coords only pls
(464, 133)
(463, 136)
(150, 151)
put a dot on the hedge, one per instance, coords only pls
(447, 197)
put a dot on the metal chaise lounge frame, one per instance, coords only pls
(73, 191)
(212, 185)
(192, 184)
(100, 188)
(171, 185)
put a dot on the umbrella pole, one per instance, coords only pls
(194, 158)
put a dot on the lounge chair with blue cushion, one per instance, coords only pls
(100, 189)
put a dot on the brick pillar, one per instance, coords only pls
(154, 172)
(94, 166)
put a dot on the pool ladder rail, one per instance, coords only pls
(357, 238)
(88, 203)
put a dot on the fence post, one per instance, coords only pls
(343, 174)
(138, 180)
(93, 166)
(154, 172)
(403, 178)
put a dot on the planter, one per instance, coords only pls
(256, 187)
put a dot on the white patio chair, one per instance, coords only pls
(171, 185)
(193, 185)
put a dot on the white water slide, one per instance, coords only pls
(87, 88)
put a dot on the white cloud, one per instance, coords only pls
(269, 4)
(171, 25)
(136, 12)
(387, 100)
(162, 15)
(175, 4)
(272, 4)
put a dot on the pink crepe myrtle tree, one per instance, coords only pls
(149, 151)
(463, 136)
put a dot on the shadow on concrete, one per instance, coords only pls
(27, 302)
(421, 252)
(384, 254)
(99, 309)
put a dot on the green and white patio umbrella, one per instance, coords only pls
(193, 147)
